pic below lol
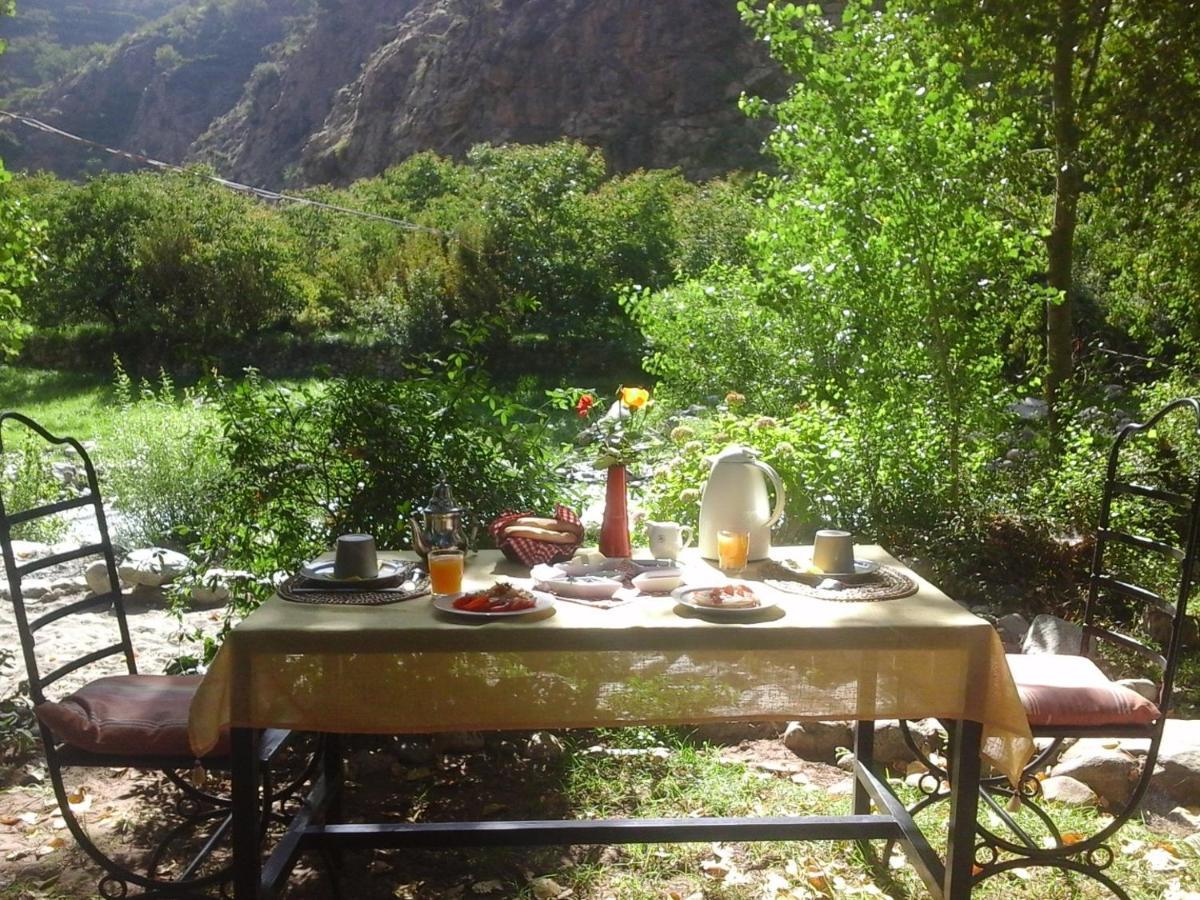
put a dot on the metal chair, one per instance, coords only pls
(1149, 486)
(128, 720)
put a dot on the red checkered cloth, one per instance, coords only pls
(529, 551)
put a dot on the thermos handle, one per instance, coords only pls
(779, 492)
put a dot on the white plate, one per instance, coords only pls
(322, 571)
(861, 567)
(684, 597)
(445, 602)
(582, 587)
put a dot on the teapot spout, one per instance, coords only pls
(418, 536)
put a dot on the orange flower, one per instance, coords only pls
(635, 398)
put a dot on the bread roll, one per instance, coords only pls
(540, 534)
(547, 524)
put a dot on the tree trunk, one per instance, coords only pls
(1067, 185)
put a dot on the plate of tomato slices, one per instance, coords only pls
(494, 602)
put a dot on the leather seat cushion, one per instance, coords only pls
(129, 715)
(1070, 690)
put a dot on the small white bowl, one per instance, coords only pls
(661, 581)
(582, 587)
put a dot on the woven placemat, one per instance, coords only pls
(298, 589)
(888, 583)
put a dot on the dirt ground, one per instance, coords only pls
(125, 811)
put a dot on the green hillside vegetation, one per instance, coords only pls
(538, 241)
(51, 38)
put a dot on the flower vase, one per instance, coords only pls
(614, 530)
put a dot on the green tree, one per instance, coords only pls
(169, 259)
(886, 233)
(1108, 90)
(20, 251)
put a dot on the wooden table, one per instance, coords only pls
(407, 668)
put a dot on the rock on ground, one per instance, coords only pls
(153, 567)
(1065, 789)
(1050, 634)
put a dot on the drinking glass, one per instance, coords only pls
(445, 571)
(733, 547)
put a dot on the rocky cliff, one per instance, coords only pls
(352, 86)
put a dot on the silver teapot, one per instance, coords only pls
(439, 526)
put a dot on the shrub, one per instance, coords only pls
(27, 481)
(163, 467)
(21, 259)
(358, 455)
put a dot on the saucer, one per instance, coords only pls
(861, 567)
(321, 571)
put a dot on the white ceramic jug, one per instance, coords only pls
(735, 499)
(667, 539)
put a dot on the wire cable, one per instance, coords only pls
(250, 190)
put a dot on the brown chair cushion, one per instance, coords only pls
(1070, 690)
(130, 715)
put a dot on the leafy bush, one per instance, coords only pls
(27, 481)
(713, 335)
(18, 727)
(357, 455)
(163, 469)
(21, 258)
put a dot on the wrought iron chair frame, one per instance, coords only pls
(195, 805)
(1091, 856)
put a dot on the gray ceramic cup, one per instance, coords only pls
(355, 557)
(833, 552)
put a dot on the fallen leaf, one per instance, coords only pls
(418, 773)
(818, 879)
(714, 868)
(487, 887)
(1073, 837)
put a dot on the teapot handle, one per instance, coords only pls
(779, 492)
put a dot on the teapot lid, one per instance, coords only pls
(735, 453)
(442, 500)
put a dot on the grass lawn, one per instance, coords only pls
(67, 403)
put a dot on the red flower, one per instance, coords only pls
(584, 405)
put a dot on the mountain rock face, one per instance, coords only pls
(350, 87)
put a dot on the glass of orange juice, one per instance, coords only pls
(733, 548)
(446, 570)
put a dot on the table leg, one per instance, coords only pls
(333, 768)
(864, 752)
(244, 788)
(964, 806)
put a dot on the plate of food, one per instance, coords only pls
(498, 601)
(321, 571)
(583, 586)
(731, 600)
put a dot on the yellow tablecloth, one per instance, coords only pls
(407, 668)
